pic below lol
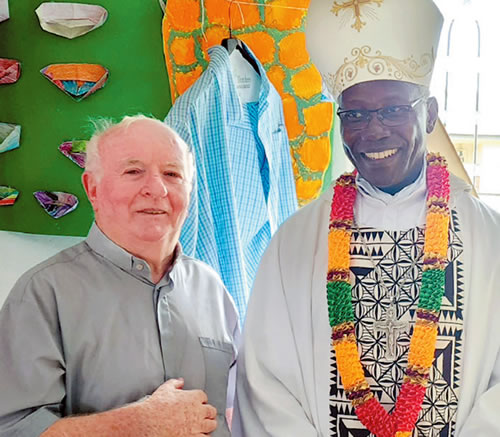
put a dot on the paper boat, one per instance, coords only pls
(10, 70)
(56, 203)
(70, 19)
(77, 80)
(10, 136)
(4, 10)
(8, 196)
(75, 150)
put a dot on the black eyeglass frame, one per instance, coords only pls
(368, 117)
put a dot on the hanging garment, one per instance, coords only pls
(274, 30)
(244, 186)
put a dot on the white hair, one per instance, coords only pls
(104, 127)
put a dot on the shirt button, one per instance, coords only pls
(140, 267)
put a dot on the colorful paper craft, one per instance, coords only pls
(4, 10)
(75, 150)
(10, 70)
(70, 20)
(8, 196)
(10, 136)
(77, 80)
(56, 203)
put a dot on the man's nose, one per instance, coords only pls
(154, 186)
(375, 130)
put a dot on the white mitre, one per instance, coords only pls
(354, 41)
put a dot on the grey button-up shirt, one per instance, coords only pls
(87, 331)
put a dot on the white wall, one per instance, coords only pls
(19, 252)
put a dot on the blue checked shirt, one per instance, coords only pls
(244, 186)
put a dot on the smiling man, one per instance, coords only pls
(122, 335)
(383, 125)
(374, 310)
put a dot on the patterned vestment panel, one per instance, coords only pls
(394, 253)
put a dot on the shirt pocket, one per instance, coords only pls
(218, 357)
(279, 129)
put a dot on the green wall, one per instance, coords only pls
(129, 45)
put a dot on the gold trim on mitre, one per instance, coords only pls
(380, 67)
(356, 6)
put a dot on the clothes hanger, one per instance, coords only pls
(232, 43)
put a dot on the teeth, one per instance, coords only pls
(148, 211)
(381, 155)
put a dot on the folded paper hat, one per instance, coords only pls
(354, 41)
(70, 19)
(4, 10)
(75, 150)
(77, 80)
(10, 136)
(56, 203)
(10, 70)
(8, 196)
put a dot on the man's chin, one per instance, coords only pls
(153, 234)
(384, 184)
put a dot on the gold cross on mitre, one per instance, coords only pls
(356, 6)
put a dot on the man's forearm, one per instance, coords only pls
(131, 420)
(169, 412)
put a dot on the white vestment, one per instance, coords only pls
(284, 365)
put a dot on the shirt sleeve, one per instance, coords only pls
(269, 392)
(31, 366)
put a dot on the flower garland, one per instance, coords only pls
(370, 412)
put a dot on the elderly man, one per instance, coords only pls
(374, 311)
(122, 334)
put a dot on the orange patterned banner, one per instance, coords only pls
(274, 30)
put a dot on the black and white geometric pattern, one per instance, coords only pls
(395, 254)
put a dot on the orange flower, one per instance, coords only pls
(349, 366)
(436, 236)
(422, 346)
(338, 250)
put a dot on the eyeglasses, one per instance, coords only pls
(394, 115)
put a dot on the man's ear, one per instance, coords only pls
(432, 114)
(90, 184)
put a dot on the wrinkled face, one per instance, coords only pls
(143, 193)
(389, 157)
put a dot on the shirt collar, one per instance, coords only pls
(101, 244)
(415, 189)
(221, 67)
